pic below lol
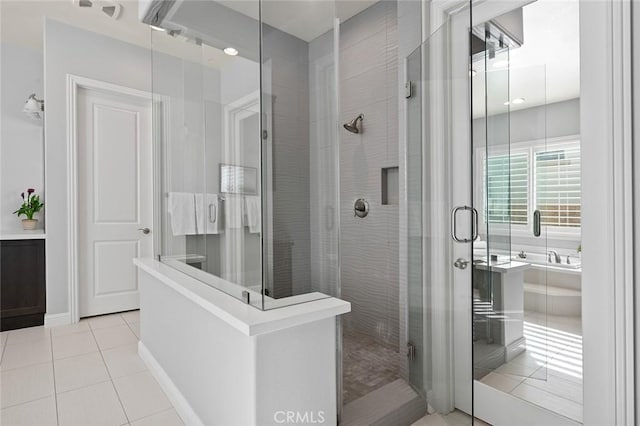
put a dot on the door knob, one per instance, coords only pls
(461, 263)
(145, 231)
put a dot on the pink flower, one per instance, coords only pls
(31, 191)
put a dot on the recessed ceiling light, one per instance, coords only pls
(230, 51)
(517, 101)
(154, 28)
(500, 64)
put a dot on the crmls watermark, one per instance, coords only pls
(299, 417)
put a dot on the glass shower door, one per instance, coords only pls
(510, 344)
(476, 243)
(436, 92)
(419, 377)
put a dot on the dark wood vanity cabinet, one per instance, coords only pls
(22, 284)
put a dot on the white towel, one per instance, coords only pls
(254, 214)
(207, 214)
(233, 211)
(182, 211)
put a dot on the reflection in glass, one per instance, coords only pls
(248, 155)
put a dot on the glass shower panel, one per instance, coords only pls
(299, 151)
(206, 75)
(249, 155)
(178, 86)
(417, 341)
(534, 214)
(504, 295)
(492, 187)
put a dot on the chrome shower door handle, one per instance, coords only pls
(212, 213)
(454, 224)
(537, 231)
(475, 224)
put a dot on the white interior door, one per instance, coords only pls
(115, 198)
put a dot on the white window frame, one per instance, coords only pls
(531, 148)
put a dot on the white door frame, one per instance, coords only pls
(233, 114)
(159, 109)
(606, 132)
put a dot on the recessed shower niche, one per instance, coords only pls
(390, 186)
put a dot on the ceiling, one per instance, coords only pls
(22, 24)
(546, 69)
(305, 19)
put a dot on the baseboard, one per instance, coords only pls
(515, 348)
(54, 320)
(182, 406)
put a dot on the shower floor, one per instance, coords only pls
(367, 365)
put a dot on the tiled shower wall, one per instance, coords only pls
(287, 58)
(369, 246)
(324, 145)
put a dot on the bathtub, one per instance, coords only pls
(552, 288)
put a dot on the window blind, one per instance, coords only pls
(507, 188)
(557, 186)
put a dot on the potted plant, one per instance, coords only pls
(31, 205)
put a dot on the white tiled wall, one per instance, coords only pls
(369, 246)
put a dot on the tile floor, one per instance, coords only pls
(367, 365)
(549, 373)
(456, 418)
(83, 374)
(90, 374)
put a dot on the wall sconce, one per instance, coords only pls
(34, 107)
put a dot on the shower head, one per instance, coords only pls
(352, 126)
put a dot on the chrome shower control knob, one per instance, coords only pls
(361, 208)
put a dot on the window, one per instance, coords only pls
(557, 180)
(507, 183)
(533, 176)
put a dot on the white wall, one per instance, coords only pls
(69, 50)
(227, 377)
(21, 144)
(196, 96)
(546, 121)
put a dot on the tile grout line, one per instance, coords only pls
(129, 326)
(110, 379)
(25, 402)
(53, 371)
(4, 348)
(546, 381)
(545, 407)
(109, 373)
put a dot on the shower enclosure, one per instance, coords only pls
(249, 195)
(315, 149)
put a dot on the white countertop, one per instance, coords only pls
(247, 319)
(503, 267)
(21, 234)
